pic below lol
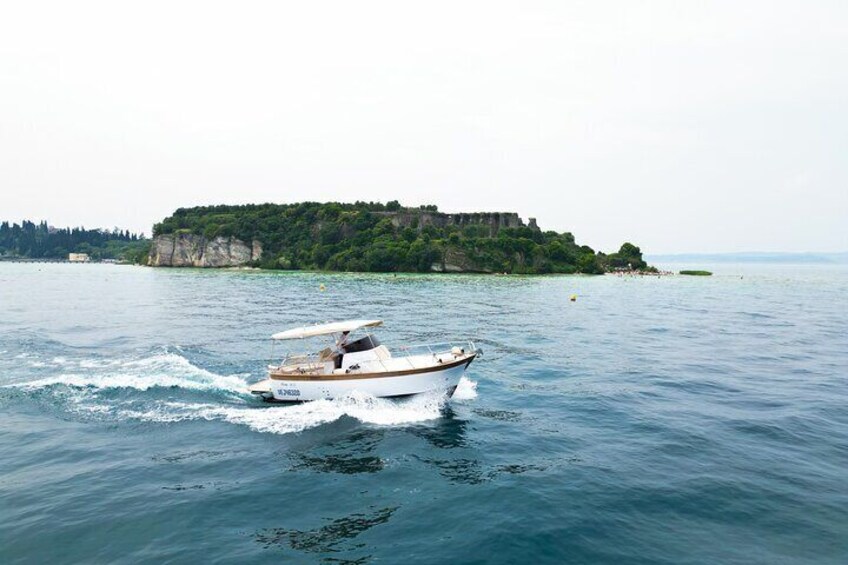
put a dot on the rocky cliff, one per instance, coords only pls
(188, 250)
(457, 261)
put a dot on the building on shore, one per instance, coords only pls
(78, 257)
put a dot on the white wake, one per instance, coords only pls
(465, 390)
(167, 370)
(299, 417)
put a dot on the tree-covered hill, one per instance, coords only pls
(40, 241)
(390, 238)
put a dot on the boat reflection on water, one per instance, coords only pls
(345, 464)
(447, 432)
(347, 455)
(367, 450)
(329, 538)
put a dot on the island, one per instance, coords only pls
(373, 237)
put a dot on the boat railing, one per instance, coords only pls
(434, 348)
(311, 362)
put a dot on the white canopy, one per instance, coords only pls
(324, 329)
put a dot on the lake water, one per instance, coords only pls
(654, 420)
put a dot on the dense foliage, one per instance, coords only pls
(39, 241)
(368, 236)
(697, 273)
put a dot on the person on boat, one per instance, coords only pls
(341, 343)
(339, 352)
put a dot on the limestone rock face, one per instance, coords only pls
(188, 250)
(456, 261)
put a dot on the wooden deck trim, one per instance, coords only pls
(351, 376)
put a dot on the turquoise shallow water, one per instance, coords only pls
(655, 420)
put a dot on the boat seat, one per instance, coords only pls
(300, 369)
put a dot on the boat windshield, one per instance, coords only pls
(364, 343)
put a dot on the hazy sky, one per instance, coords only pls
(681, 126)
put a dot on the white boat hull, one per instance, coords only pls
(299, 390)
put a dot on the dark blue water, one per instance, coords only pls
(655, 420)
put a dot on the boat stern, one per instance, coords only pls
(262, 388)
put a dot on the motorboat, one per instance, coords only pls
(362, 364)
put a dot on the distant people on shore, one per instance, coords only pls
(622, 272)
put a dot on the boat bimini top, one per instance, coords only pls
(326, 329)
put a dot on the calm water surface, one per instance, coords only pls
(654, 420)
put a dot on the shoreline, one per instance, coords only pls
(246, 269)
(51, 260)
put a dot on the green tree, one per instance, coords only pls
(363, 236)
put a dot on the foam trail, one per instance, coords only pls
(290, 419)
(166, 370)
(466, 390)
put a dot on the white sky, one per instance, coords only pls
(681, 126)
